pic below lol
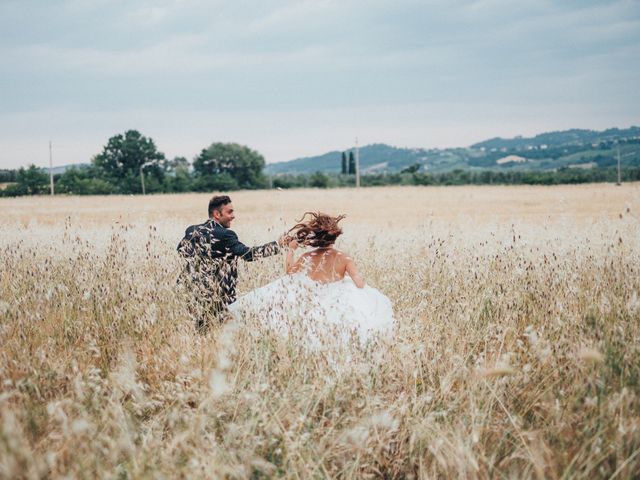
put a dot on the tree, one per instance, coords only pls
(178, 164)
(7, 176)
(319, 180)
(126, 158)
(220, 182)
(344, 164)
(83, 181)
(352, 164)
(222, 163)
(29, 181)
(411, 169)
(178, 175)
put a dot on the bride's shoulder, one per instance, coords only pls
(342, 254)
(342, 258)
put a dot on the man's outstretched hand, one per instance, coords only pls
(288, 241)
(284, 240)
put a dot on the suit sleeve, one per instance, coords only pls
(248, 254)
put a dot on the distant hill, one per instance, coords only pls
(563, 138)
(373, 158)
(548, 151)
(64, 168)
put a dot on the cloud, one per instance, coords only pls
(259, 69)
(289, 133)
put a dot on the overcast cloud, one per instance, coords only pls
(298, 78)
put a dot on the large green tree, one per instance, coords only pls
(225, 166)
(125, 156)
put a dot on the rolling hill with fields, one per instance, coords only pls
(574, 148)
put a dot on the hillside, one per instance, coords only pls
(373, 158)
(548, 151)
(64, 168)
(557, 139)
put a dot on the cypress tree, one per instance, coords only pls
(352, 164)
(344, 164)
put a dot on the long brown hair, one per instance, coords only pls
(320, 230)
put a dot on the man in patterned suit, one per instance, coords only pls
(212, 250)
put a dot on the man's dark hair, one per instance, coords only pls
(217, 202)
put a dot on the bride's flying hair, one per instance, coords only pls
(319, 231)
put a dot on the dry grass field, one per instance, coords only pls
(516, 352)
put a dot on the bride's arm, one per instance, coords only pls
(352, 270)
(290, 266)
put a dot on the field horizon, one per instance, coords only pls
(484, 201)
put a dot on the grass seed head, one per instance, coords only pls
(500, 370)
(592, 355)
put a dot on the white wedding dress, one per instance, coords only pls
(314, 312)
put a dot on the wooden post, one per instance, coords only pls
(142, 180)
(51, 166)
(357, 165)
(619, 179)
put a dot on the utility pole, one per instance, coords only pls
(142, 179)
(51, 166)
(357, 165)
(619, 182)
(145, 164)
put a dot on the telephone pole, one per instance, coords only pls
(357, 165)
(142, 180)
(619, 182)
(51, 166)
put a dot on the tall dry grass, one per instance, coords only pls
(516, 352)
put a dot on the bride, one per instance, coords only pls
(323, 295)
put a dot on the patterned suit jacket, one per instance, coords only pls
(212, 252)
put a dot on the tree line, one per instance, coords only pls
(410, 176)
(131, 164)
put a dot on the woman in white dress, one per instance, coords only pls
(323, 295)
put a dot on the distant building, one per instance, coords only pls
(511, 159)
(584, 166)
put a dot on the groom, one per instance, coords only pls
(212, 250)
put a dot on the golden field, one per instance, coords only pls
(516, 352)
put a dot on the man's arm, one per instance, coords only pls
(248, 254)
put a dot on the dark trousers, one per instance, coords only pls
(207, 301)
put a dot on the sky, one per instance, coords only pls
(300, 78)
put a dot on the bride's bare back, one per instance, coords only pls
(326, 265)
